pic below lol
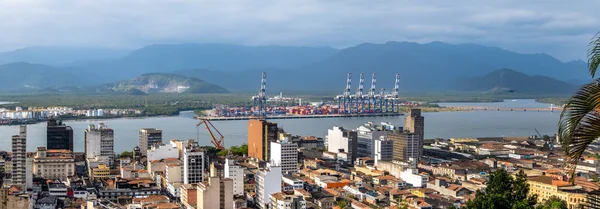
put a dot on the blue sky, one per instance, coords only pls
(559, 28)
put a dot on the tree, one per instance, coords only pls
(553, 203)
(126, 154)
(342, 203)
(579, 123)
(504, 191)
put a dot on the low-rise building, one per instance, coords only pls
(545, 187)
(53, 164)
(281, 200)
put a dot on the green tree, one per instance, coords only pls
(579, 123)
(504, 191)
(342, 203)
(553, 203)
(126, 154)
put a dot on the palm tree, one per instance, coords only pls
(579, 123)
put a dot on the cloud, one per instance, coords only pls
(560, 28)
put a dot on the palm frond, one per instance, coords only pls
(579, 123)
(594, 54)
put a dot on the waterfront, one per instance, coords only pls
(437, 124)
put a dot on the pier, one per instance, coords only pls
(522, 109)
(275, 117)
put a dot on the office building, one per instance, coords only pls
(19, 157)
(281, 200)
(99, 141)
(53, 164)
(195, 163)
(268, 181)
(406, 145)
(147, 138)
(342, 142)
(383, 149)
(285, 153)
(367, 134)
(236, 174)
(217, 192)
(260, 133)
(58, 135)
(415, 123)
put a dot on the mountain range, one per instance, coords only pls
(434, 66)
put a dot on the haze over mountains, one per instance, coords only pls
(423, 67)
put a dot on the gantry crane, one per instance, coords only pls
(219, 143)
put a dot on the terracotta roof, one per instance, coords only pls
(166, 205)
(278, 195)
(387, 177)
(151, 198)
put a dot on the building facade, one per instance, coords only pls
(59, 136)
(342, 141)
(53, 164)
(195, 163)
(147, 138)
(268, 181)
(217, 192)
(19, 157)
(415, 123)
(406, 146)
(545, 187)
(281, 200)
(260, 133)
(285, 154)
(99, 141)
(383, 149)
(236, 174)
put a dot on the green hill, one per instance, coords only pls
(163, 82)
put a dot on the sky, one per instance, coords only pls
(556, 27)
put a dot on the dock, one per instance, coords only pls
(276, 117)
(522, 109)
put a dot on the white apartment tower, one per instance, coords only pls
(19, 157)
(285, 154)
(340, 140)
(194, 164)
(236, 173)
(268, 181)
(100, 141)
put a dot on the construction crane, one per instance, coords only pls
(541, 137)
(394, 95)
(219, 143)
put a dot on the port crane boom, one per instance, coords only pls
(219, 143)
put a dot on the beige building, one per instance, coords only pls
(101, 172)
(281, 200)
(53, 164)
(189, 195)
(216, 188)
(545, 187)
(19, 155)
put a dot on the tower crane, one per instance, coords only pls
(261, 98)
(371, 96)
(218, 143)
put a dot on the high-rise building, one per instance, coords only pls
(260, 133)
(149, 137)
(368, 134)
(59, 136)
(406, 145)
(19, 157)
(100, 141)
(415, 123)
(285, 153)
(268, 181)
(235, 173)
(342, 142)
(217, 192)
(195, 163)
(383, 149)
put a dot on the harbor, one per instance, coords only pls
(217, 118)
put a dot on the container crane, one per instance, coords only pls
(218, 143)
(261, 98)
(371, 97)
(393, 97)
(359, 93)
(345, 98)
(381, 96)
